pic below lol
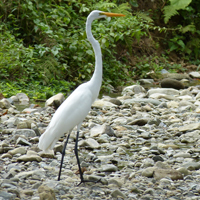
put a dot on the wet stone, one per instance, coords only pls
(22, 141)
(171, 173)
(117, 194)
(27, 158)
(25, 132)
(108, 168)
(46, 193)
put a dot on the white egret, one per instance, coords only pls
(74, 109)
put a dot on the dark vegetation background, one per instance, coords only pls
(44, 49)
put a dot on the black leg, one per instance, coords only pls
(77, 158)
(78, 162)
(63, 154)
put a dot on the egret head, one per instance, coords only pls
(96, 14)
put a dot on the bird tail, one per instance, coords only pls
(47, 141)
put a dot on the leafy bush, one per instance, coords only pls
(185, 37)
(44, 44)
(55, 35)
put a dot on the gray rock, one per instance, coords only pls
(164, 71)
(4, 103)
(59, 148)
(172, 104)
(146, 81)
(157, 158)
(117, 194)
(155, 121)
(191, 165)
(172, 83)
(29, 110)
(25, 132)
(46, 193)
(8, 131)
(176, 76)
(139, 122)
(194, 74)
(121, 151)
(120, 121)
(101, 129)
(163, 105)
(167, 91)
(6, 155)
(115, 101)
(141, 100)
(164, 173)
(13, 111)
(183, 155)
(12, 120)
(165, 183)
(190, 127)
(35, 128)
(49, 154)
(22, 141)
(187, 103)
(14, 99)
(148, 172)
(108, 168)
(198, 96)
(22, 125)
(55, 100)
(94, 178)
(19, 150)
(104, 138)
(162, 165)
(24, 175)
(183, 171)
(23, 98)
(89, 143)
(27, 158)
(7, 196)
(133, 89)
(140, 141)
(103, 104)
(162, 96)
(188, 137)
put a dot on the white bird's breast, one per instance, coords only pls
(72, 111)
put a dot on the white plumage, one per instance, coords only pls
(74, 109)
(71, 113)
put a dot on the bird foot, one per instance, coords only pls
(86, 181)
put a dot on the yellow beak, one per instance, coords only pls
(112, 14)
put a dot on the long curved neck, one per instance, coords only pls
(96, 80)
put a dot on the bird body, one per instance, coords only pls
(71, 113)
(74, 109)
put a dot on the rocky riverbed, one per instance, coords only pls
(144, 144)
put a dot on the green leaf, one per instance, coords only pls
(181, 43)
(190, 28)
(175, 5)
(173, 47)
(89, 52)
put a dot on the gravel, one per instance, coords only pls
(140, 145)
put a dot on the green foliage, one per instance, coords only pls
(171, 10)
(185, 36)
(13, 55)
(44, 48)
(34, 89)
(154, 64)
(148, 64)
